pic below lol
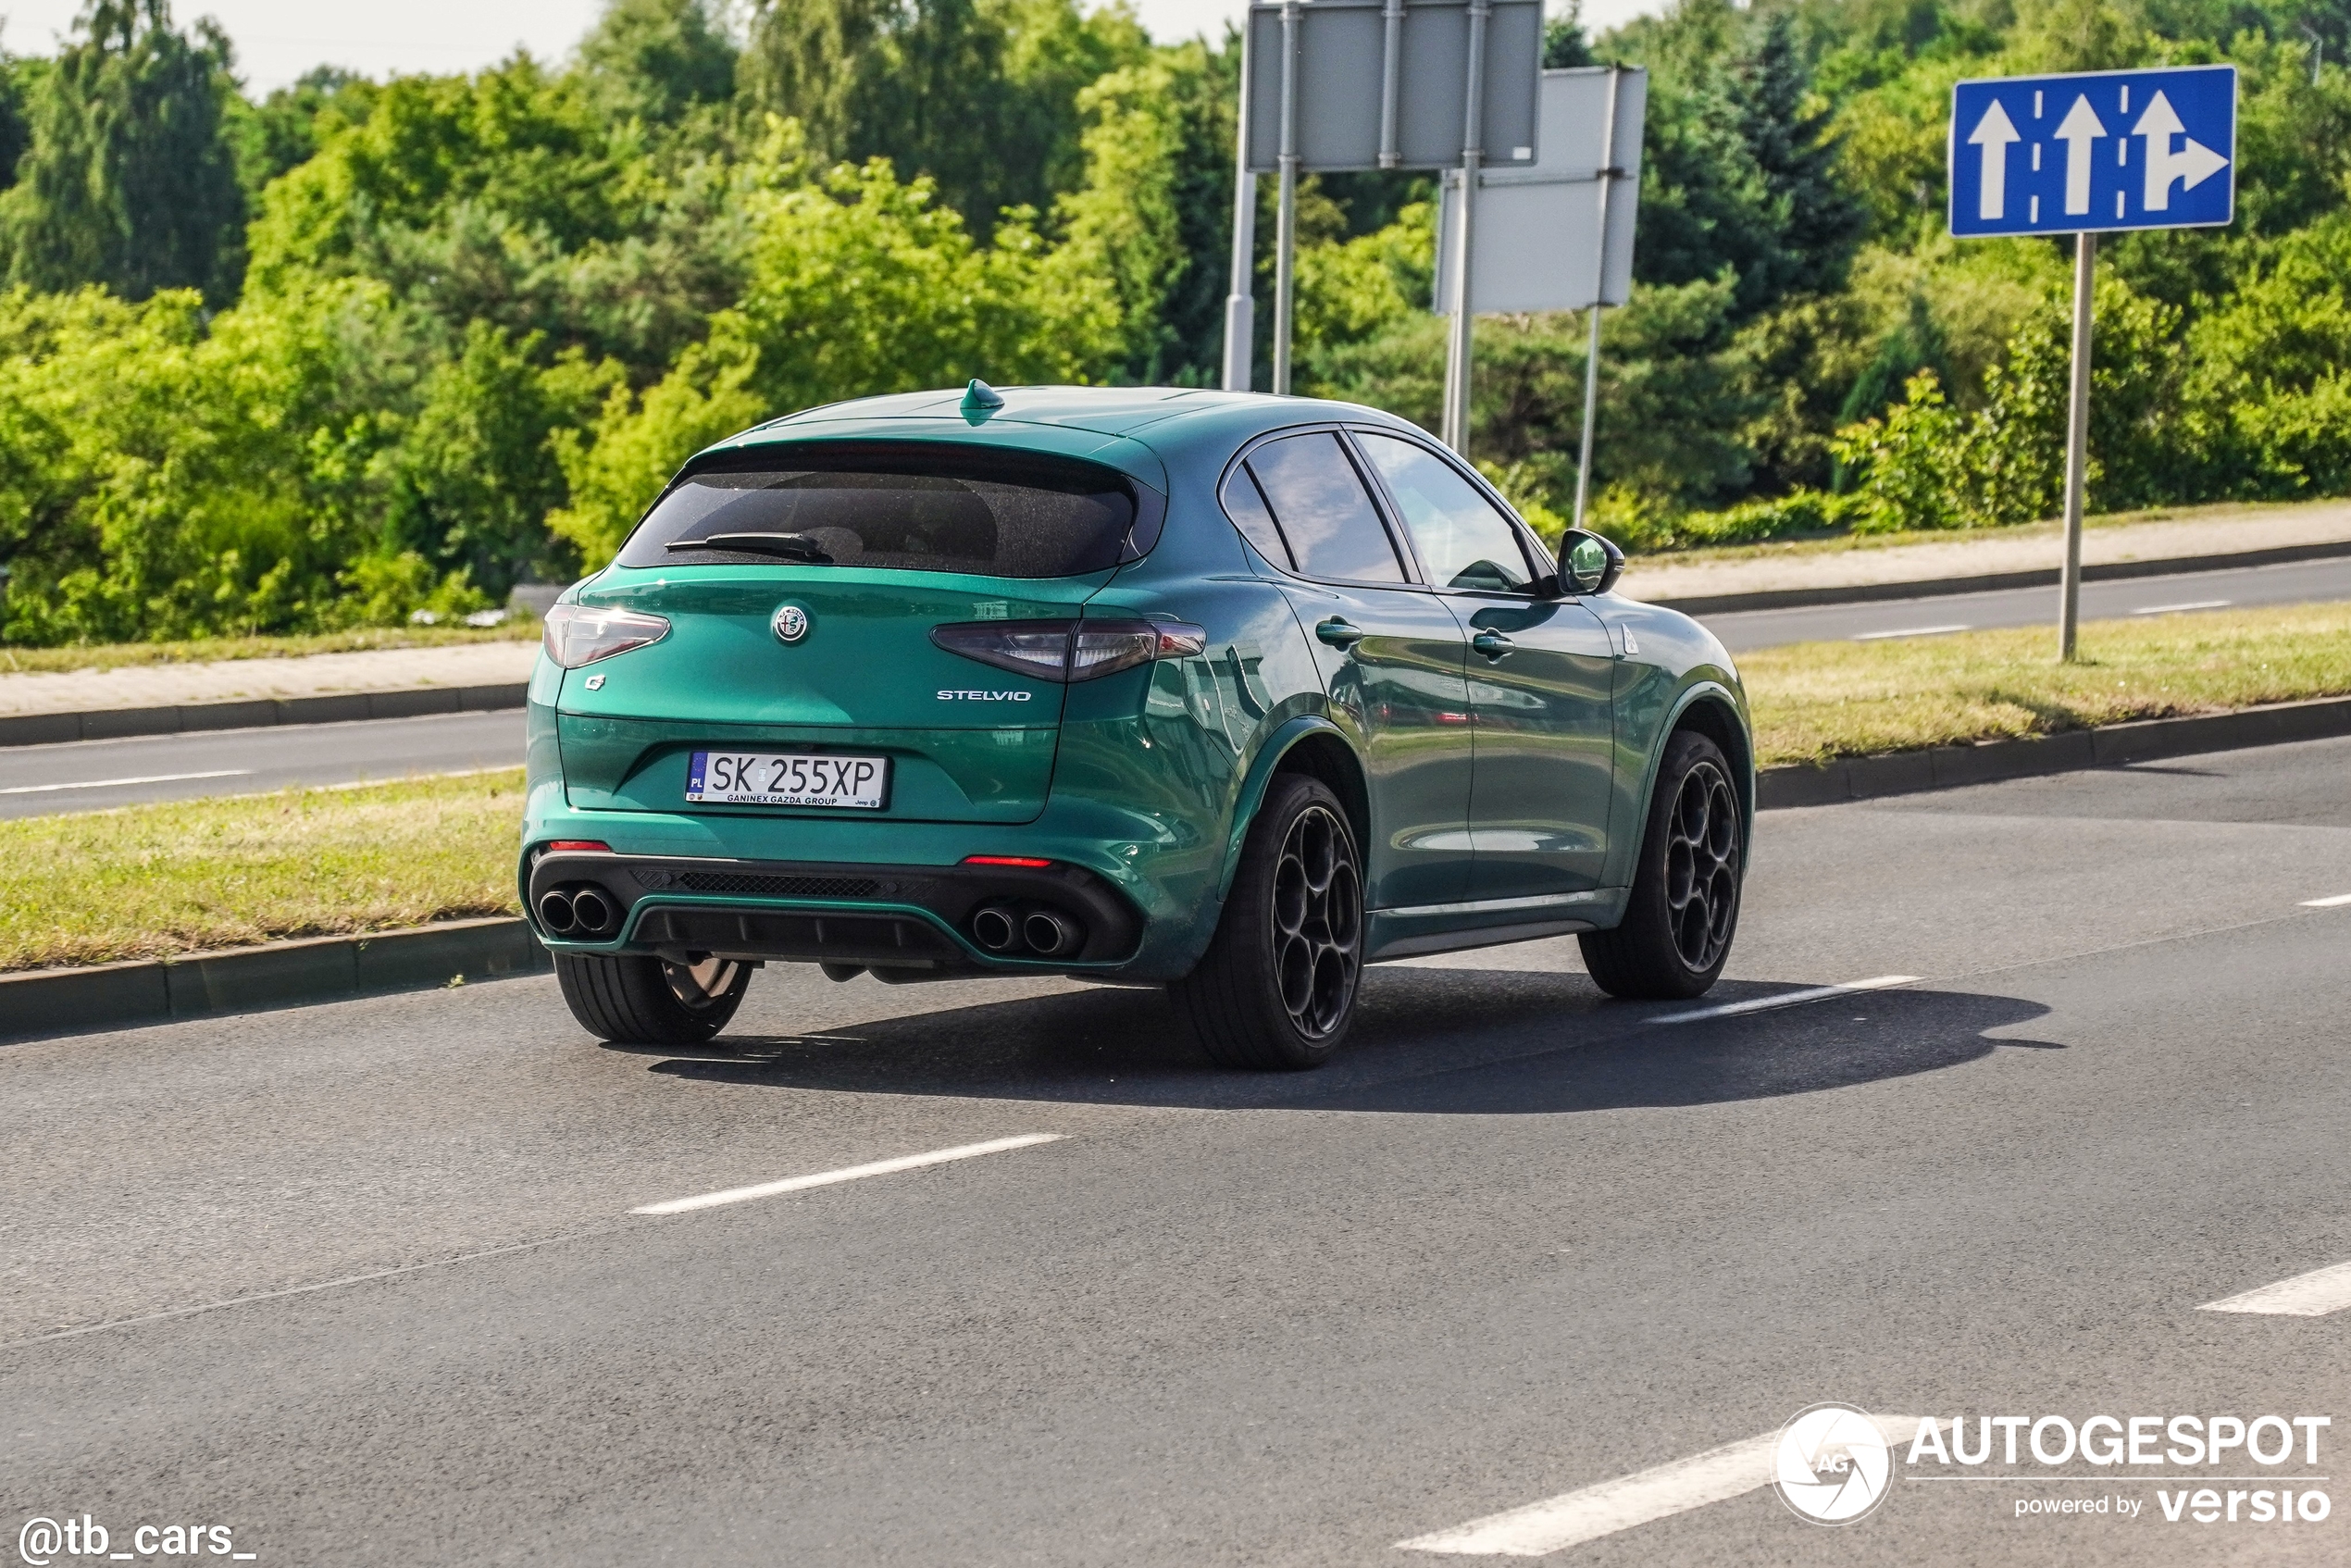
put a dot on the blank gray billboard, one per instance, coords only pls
(1539, 229)
(1341, 73)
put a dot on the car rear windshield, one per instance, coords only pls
(929, 509)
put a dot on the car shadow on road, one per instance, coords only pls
(1445, 1041)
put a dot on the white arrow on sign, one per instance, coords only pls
(2077, 131)
(1993, 133)
(2191, 165)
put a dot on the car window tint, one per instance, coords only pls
(941, 510)
(1247, 508)
(1464, 540)
(1324, 510)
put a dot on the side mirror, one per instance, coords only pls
(1589, 564)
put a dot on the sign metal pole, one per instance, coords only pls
(1599, 288)
(1240, 301)
(2077, 442)
(1457, 348)
(1285, 211)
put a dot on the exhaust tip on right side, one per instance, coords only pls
(994, 928)
(1050, 933)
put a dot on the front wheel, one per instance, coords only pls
(1276, 989)
(634, 1000)
(1676, 933)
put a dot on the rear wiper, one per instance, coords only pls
(786, 546)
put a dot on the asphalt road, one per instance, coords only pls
(93, 775)
(362, 1283)
(2296, 582)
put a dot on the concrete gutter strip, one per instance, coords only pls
(1989, 582)
(249, 979)
(1946, 767)
(114, 724)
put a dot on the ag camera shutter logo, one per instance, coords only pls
(1831, 1465)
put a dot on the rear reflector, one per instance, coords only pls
(596, 844)
(1004, 860)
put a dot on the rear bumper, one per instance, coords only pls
(901, 921)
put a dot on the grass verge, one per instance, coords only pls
(210, 650)
(1815, 701)
(146, 881)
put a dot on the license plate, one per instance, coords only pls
(794, 779)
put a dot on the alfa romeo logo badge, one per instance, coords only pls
(791, 623)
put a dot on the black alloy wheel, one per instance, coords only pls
(1684, 910)
(1278, 986)
(1702, 865)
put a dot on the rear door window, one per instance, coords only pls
(987, 513)
(1325, 515)
(1464, 540)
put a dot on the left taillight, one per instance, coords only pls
(1067, 651)
(577, 634)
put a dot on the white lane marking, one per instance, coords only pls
(1907, 632)
(114, 783)
(850, 1172)
(1785, 999)
(2191, 604)
(1586, 1515)
(2305, 1294)
(2335, 902)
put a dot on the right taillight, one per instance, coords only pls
(577, 635)
(1067, 651)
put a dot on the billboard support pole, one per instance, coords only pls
(1240, 301)
(1456, 347)
(1599, 291)
(1285, 211)
(2077, 442)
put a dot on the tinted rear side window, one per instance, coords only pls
(935, 511)
(1324, 510)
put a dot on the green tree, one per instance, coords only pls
(658, 59)
(129, 179)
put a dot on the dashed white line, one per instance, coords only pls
(1907, 632)
(115, 783)
(849, 1173)
(2191, 604)
(1785, 999)
(2335, 902)
(1586, 1515)
(2305, 1294)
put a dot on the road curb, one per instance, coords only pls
(251, 979)
(1990, 582)
(2111, 745)
(339, 707)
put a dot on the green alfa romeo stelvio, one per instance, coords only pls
(1220, 691)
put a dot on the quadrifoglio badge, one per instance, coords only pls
(1835, 1465)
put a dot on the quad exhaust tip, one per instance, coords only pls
(1048, 934)
(995, 928)
(1041, 933)
(578, 911)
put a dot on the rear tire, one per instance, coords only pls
(1276, 989)
(632, 1001)
(1684, 909)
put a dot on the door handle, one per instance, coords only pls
(1493, 644)
(1339, 633)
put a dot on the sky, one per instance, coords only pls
(278, 40)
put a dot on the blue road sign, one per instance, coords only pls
(2100, 150)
